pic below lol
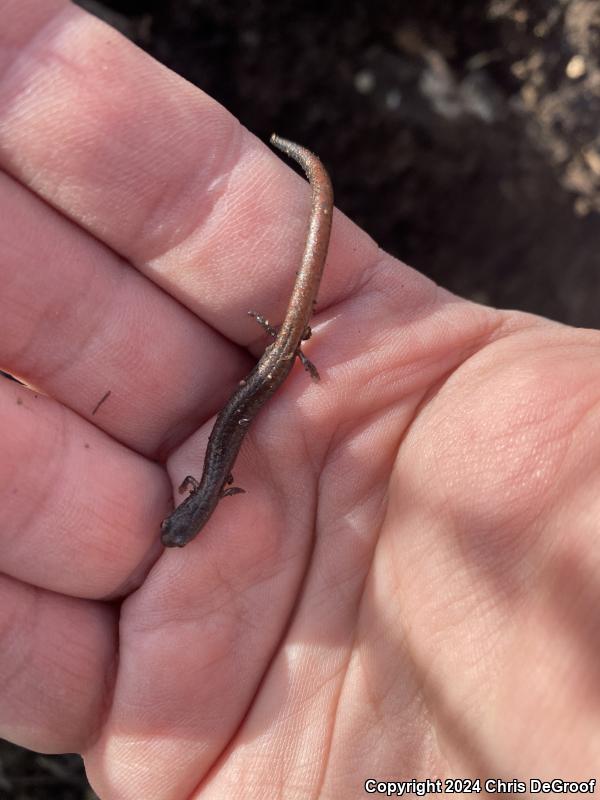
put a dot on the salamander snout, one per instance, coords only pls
(174, 534)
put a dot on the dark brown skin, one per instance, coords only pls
(276, 363)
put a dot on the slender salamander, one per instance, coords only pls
(232, 423)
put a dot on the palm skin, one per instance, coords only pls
(409, 587)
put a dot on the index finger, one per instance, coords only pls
(143, 160)
(168, 179)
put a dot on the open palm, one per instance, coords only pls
(409, 587)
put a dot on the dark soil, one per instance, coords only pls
(28, 776)
(461, 135)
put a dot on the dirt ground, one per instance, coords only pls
(461, 135)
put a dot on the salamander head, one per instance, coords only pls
(186, 521)
(174, 532)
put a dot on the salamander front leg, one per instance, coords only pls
(232, 490)
(189, 483)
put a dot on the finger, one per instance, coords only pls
(79, 323)
(201, 631)
(182, 191)
(183, 201)
(56, 660)
(80, 512)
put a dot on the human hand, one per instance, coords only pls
(408, 588)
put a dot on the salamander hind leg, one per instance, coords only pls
(308, 365)
(264, 323)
